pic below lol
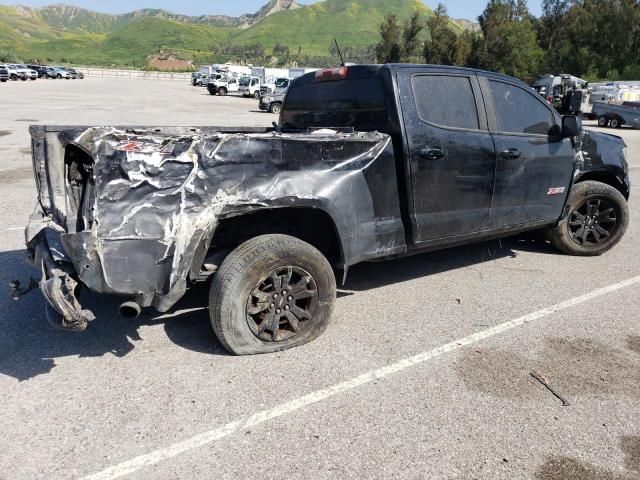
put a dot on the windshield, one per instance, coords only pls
(282, 82)
(224, 79)
(244, 81)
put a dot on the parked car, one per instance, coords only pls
(272, 103)
(16, 73)
(74, 73)
(4, 73)
(278, 86)
(39, 69)
(223, 86)
(615, 116)
(59, 72)
(196, 78)
(368, 163)
(249, 87)
(30, 73)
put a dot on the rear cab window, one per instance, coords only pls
(352, 102)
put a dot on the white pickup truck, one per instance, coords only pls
(224, 86)
(250, 87)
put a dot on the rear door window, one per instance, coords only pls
(446, 101)
(519, 111)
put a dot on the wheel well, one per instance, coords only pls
(608, 178)
(309, 225)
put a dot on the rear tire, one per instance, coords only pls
(615, 123)
(256, 95)
(603, 121)
(598, 219)
(251, 302)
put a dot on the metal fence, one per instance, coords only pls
(134, 74)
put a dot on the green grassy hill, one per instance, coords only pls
(62, 33)
(313, 28)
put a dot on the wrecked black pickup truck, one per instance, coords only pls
(367, 163)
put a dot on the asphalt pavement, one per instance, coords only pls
(501, 360)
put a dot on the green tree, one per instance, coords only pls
(388, 49)
(411, 38)
(440, 48)
(509, 42)
(399, 43)
(463, 48)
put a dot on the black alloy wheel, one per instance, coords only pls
(597, 221)
(282, 304)
(272, 293)
(594, 222)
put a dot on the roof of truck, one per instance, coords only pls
(374, 69)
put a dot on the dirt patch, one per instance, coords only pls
(574, 367)
(633, 344)
(4, 133)
(563, 468)
(9, 177)
(26, 151)
(26, 120)
(631, 449)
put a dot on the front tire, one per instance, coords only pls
(598, 219)
(222, 92)
(272, 293)
(275, 108)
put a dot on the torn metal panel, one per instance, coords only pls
(133, 206)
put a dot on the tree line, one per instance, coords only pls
(594, 39)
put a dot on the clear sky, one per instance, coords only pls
(468, 9)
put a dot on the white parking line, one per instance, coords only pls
(156, 456)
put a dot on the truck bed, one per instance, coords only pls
(132, 210)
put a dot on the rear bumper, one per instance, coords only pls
(59, 280)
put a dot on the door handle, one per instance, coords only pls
(432, 153)
(511, 153)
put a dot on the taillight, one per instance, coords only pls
(332, 74)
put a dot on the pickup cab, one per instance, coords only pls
(250, 87)
(368, 163)
(223, 86)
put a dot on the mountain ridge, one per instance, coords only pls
(62, 33)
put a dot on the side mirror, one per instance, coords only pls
(571, 126)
